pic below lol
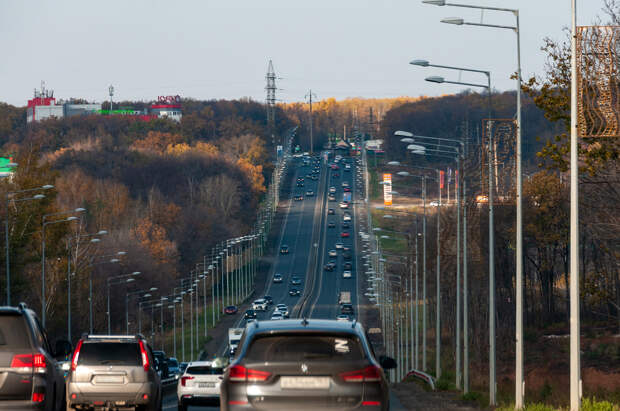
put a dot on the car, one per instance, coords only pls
(31, 376)
(331, 197)
(345, 234)
(269, 299)
(339, 246)
(335, 167)
(299, 198)
(332, 190)
(173, 367)
(309, 193)
(331, 224)
(347, 167)
(346, 189)
(346, 217)
(330, 211)
(314, 178)
(343, 317)
(284, 249)
(300, 184)
(183, 367)
(294, 292)
(436, 203)
(200, 384)
(231, 309)
(329, 266)
(335, 175)
(124, 364)
(295, 281)
(345, 225)
(346, 309)
(282, 308)
(300, 179)
(346, 255)
(344, 204)
(333, 253)
(260, 305)
(346, 274)
(277, 315)
(161, 364)
(277, 278)
(306, 364)
(347, 266)
(345, 184)
(249, 314)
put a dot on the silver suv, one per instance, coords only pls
(113, 371)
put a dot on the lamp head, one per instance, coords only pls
(47, 186)
(421, 63)
(403, 133)
(453, 20)
(79, 210)
(102, 232)
(435, 2)
(435, 79)
(393, 163)
(38, 196)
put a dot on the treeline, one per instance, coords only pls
(164, 191)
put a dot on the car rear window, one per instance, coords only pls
(204, 370)
(110, 353)
(13, 332)
(295, 347)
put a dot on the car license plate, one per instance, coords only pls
(206, 385)
(109, 379)
(305, 383)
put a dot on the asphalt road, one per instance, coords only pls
(306, 232)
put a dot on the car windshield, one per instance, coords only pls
(204, 370)
(110, 353)
(300, 347)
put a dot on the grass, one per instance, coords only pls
(587, 404)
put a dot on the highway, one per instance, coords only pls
(307, 233)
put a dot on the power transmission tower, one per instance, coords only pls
(271, 100)
(309, 96)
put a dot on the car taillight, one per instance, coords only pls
(368, 374)
(239, 373)
(183, 379)
(38, 397)
(145, 356)
(36, 361)
(76, 355)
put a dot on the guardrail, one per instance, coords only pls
(422, 376)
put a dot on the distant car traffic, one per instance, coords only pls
(347, 309)
(346, 274)
(277, 278)
(330, 211)
(332, 190)
(344, 204)
(339, 246)
(333, 253)
(347, 189)
(295, 281)
(331, 197)
(309, 193)
(331, 224)
(347, 266)
(231, 309)
(299, 198)
(345, 234)
(294, 292)
(330, 267)
(282, 308)
(277, 315)
(269, 299)
(259, 305)
(284, 249)
(343, 317)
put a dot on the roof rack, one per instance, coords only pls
(304, 321)
(22, 306)
(111, 337)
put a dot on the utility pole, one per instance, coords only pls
(111, 91)
(309, 96)
(271, 100)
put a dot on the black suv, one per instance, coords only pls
(31, 378)
(305, 365)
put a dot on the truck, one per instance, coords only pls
(344, 297)
(234, 336)
(346, 197)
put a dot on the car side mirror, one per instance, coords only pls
(387, 363)
(62, 349)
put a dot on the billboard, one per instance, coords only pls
(387, 189)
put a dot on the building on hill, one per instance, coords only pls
(44, 106)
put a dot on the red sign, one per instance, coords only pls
(169, 99)
(442, 175)
(456, 178)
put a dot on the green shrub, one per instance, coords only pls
(588, 404)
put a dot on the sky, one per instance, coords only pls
(208, 49)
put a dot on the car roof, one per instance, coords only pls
(199, 363)
(303, 325)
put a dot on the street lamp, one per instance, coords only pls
(6, 229)
(45, 224)
(125, 278)
(90, 282)
(519, 390)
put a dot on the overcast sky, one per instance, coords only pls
(208, 49)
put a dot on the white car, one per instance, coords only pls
(260, 305)
(200, 384)
(346, 274)
(332, 190)
(344, 204)
(333, 253)
(283, 309)
(277, 315)
(343, 317)
(339, 246)
(346, 217)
